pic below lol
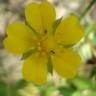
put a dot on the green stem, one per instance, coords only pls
(87, 9)
(8, 93)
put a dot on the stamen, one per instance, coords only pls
(45, 31)
(38, 44)
(43, 53)
(39, 48)
(52, 52)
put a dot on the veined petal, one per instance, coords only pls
(20, 38)
(16, 46)
(69, 31)
(35, 68)
(66, 62)
(40, 16)
(21, 31)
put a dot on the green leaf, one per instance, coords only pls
(50, 66)
(19, 85)
(28, 53)
(77, 93)
(14, 92)
(89, 29)
(35, 32)
(49, 91)
(93, 94)
(3, 88)
(93, 72)
(66, 91)
(94, 40)
(82, 83)
(56, 23)
(67, 46)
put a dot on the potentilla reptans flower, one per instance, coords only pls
(43, 38)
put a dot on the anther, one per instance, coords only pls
(45, 31)
(38, 44)
(39, 48)
(52, 52)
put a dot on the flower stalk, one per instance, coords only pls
(87, 9)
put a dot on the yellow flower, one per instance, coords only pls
(36, 36)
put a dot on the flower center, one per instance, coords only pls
(46, 45)
(39, 47)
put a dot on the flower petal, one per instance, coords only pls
(35, 68)
(16, 46)
(19, 30)
(69, 31)
(66, 62)
(40, 16)
(20, 38)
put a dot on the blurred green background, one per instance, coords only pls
(84, 84)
